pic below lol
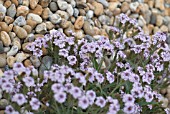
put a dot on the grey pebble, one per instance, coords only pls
(76, 12)
(90, 14)
(2, 12)
(41, 28)
(53, 6)
(105, 20)
(12, 11)
(20, 21)
(70, 10)
(104, 2)
(153, 19)
(62, 4)
(1, 47)
(35, 61)
(55, 18)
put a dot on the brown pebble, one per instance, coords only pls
(15, 2)
(164, 28)
(32, 23)
(33, 3)
(124, 7)
(22, 11)
(38, 10)
(4, 27)
(5, 38)
(49, 25)
(46, 12)
(20, 32)
(8, 19)
(27, 28)
(98, 8)
(79, 22)
(27, 63)
(10, 61)
(7, 3)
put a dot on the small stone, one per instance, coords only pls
(141, 21)
(55, 18)
(35, 61)
(124, 7)
(88, 29)
(5, 38)
(34, 17)
(62, 4)
(82, 12)
(169, 27)
(133, 6)
(19, 21)
(90, 14)
(156, 29)
(7, 3)
(117, 11)
(3, 103)
(46, 13)
(159, 4)
(12, 35)
(45, 64)
(27, 63)
(65, 24)
(63, 14)
(70, 10)
(104, 2)
(1, 74)
(105, 20)
(165, 102)
(147, 16)
(113, 5)
(17, 43)
(146, 30)
(4, 27)
(53, 6)
(79, 34)
(31, 23)
(22, 11)
(45, 3)
(27, 28)
(12, 51)
(2, 12)
(21, 57)
(153, 19)
(1, 47)
(11, 11)
(49, 25)
(15, 2)
(26, 3)
(159, 20)
(38, 10)
(8, 19)
(79, 22)
(33, 3)
(10, 61)
(150, 27)
(166, 20)
(20, 32)
(164, 28)
(41, 28)
(98, 8)
(76, 12)
(3, 60)
(24, 47)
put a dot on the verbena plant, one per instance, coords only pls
(120, 74)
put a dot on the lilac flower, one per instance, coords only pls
(29, 81)
(114, 29)
(63, 52)
(120, 64)
(140, 70)
(19, 99)
(31, 46)
(123, 18)
(18, 67)
(121, 54)
(165, 56)
(113, 109)
(35, 103)
(57, 87)
(92, 47)
(126, 74)
(72, 60)
(137, 92)
(129, 108)
(37, 52)
(110, 77)
(9, 109)
(99, 77)
(60, 97)
(8, 87)
(70, 40)
(91, 95)
(76, 92)
(159, 67)
(148, 77)
(100, 101)
(81, 78)
(38, 42)
(150, 68)
(9, 74)
(59, 43)
(68, 87)
(128, 98)
(148, 96)
(83, 102)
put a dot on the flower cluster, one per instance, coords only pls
(119, 74)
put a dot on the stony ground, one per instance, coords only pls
(22, 21)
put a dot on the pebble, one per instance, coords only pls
(153, 19)
(79, 34)
(45, 3)
(133, 6)
(105, 20)
(3, 60)
(10, 61)
(2, 12)
(11, 11)
(141, 21)
(76, 12)
(65, 24)
(45, 64)
(62, 4)
(53, 6)
(159, 20)
(17, 42)
(46, 12)
(20, 57)
(165, 102)
(1, 47)
(90, 14)
(79, 22)
(104, 2)
(164, 28)
(8, 19)
(5, 38)
(12, 51)
(27, 63)
(34, 17)
(33, 3)
(55, 18)
(70, 10)
(31, 23)
(41, 28)
(22, 11)
(88, 29)
(27, 28)
(15, 2)
(49, 25)
(159, 4)
(98, 8)
(63, 14)
(124, 7)
(113, 5)
(38, 10)
(7, 4)
(20, 32)
(147, 16)
(26, 3)
(3, 103)
(35, 61)
(19, 21)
